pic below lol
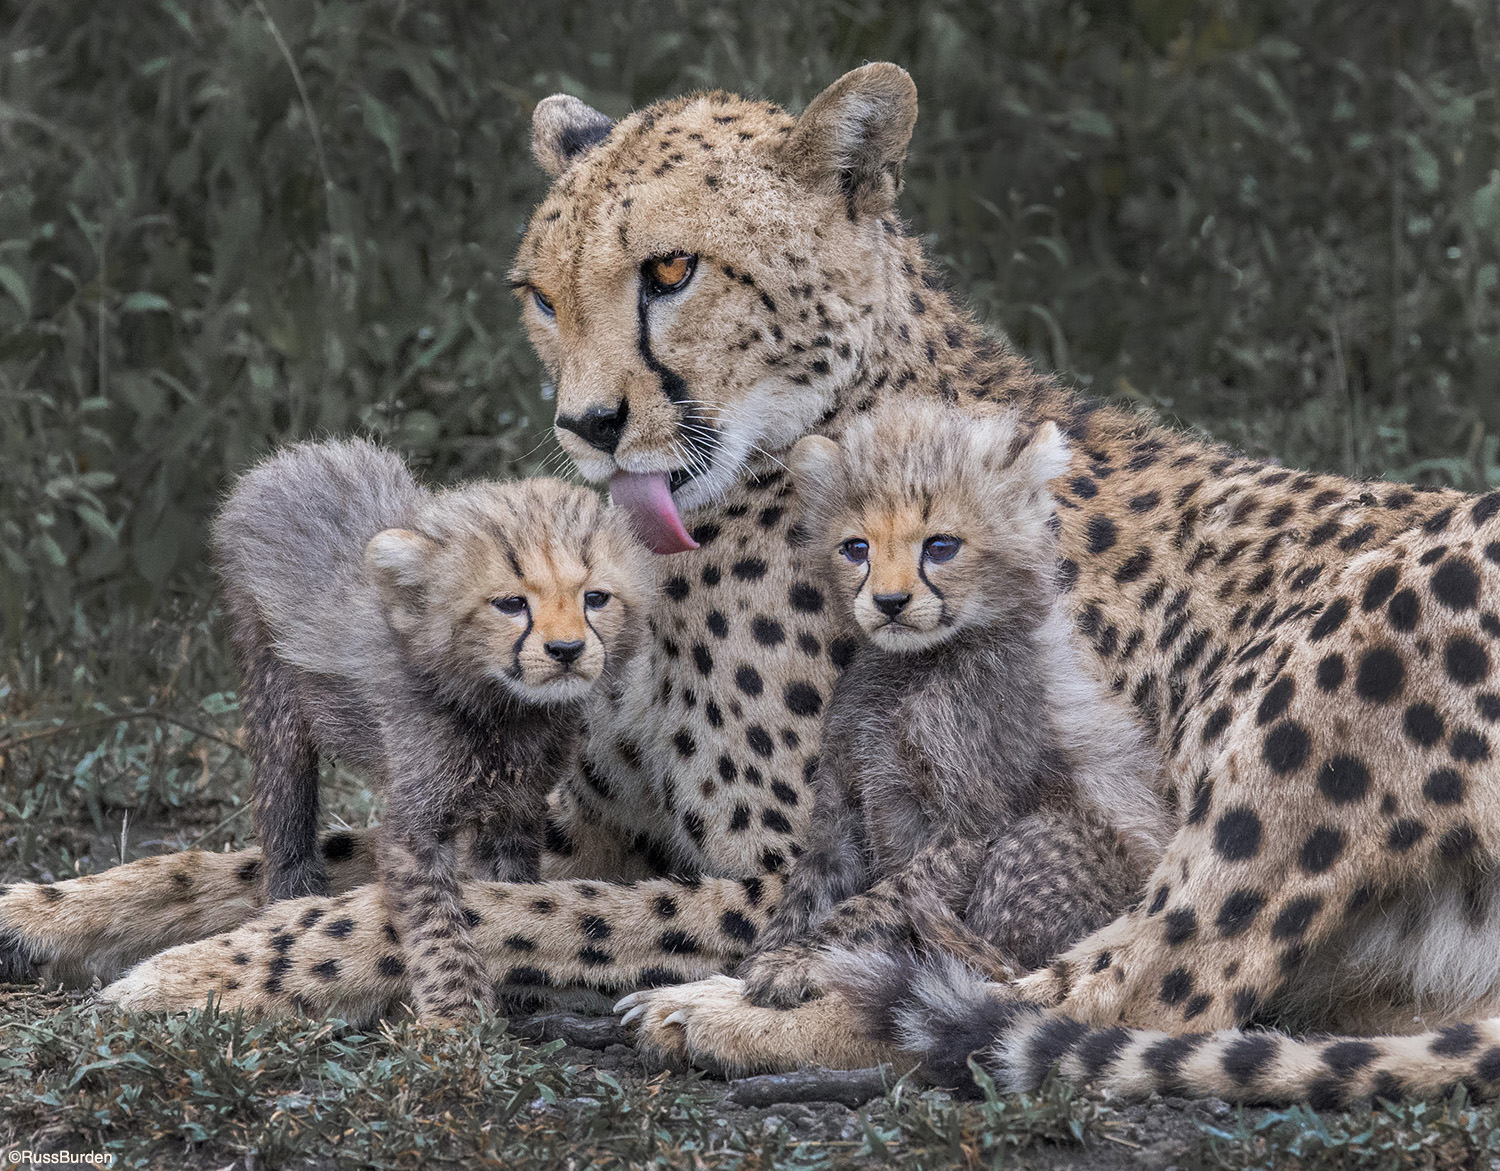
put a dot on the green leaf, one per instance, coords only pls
(15, 284)
(384, 126)
(144, 302)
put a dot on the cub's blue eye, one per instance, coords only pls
(511, 605)
(856, 549)
(940, 548)
(544, 302)
(596, 599)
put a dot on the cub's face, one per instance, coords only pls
(932, 522)
(533, 584)
(699, 279)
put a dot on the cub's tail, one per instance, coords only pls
(943, 1011)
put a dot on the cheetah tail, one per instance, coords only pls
(943, 1011)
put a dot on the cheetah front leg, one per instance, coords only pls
(80, 929)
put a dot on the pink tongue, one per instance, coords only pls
(647, 497)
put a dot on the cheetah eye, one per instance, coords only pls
(668, 274)
(940, 548)
(596, 599)
(856, 549)
(544, 303)
(512, 605)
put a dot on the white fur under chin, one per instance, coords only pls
(903, 640)
(558, 689)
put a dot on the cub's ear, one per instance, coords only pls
(852, 139)
(1043, 456)
(562, 129)
(398, 558)
(814, 464)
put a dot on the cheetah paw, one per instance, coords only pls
(711, 1025)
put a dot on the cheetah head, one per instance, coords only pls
(930, 522)
(705, 275)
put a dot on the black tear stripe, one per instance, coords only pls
(516, 671)
(702, 438)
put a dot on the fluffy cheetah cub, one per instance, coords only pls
(440, 642)
(973, 779)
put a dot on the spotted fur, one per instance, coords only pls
(1314, 657)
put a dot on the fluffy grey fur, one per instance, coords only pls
(969, 768)
(363, 612)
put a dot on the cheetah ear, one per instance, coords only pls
(852, 139)
(564, 128)
(814, 464)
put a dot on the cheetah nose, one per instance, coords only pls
(891, 604)
(598, 426)
(565, 652)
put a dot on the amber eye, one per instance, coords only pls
(512, 605)
(596, 599)
(941, 547)
(667, 274)
(856, 549)
(544, 302)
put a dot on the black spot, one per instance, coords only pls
(1238, 911)
(338, 847)
(327, 970)
(683, 741)
(1331, 672)
(1381, 585)
(1380, 676)
(1344, 779)
(775, 821)
(594, 927)
(710, 575)
(1330, 620)
(592, 957)
(677, 943)
(718, 625)
(1067, 575)
(1405, 834)
(1248, 1057)
(1134, 566)
(1456, 584)
(1176, 986)
(339, 929)
(1083, 487)
(1287, 747)
(803, 699)
(1322, 849)
(841, 652)
(1237, 834)
(521, 944)
(1203, 795)
(676, 588)
(1488, 1066)
(1469, 746)
(1276, 700)
(1467, 662)
(390, 967)
(1488, 707)
(806, 598)
(1423, 724)
(767, 631)
(748, 680)
(760, 741)
(1404, 611)
(1180, 925)
(1455, 1040)
(1485, 508)
(737, 927)
(702, 659)
(1159, 900)
(248, 871)
(748, 569)
(1102, 534)
(1346, 1058)
(784, 793)
(1214, 726)
(1296, 917)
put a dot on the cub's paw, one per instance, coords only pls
(782, 978)
(19, 963)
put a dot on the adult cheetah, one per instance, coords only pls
(710, 279)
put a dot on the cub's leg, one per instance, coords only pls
(506, 850)
(97, 926)
(285, 764)
(344, 955)
(419, 881)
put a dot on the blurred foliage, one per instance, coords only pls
(224, 225)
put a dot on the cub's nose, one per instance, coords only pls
(564, 652)
(891, 604)
(598, 426)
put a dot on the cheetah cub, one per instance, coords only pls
(988, 794)
(439, 642)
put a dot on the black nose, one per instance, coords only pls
(891, 604)
(598, 426)
(565, 652)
